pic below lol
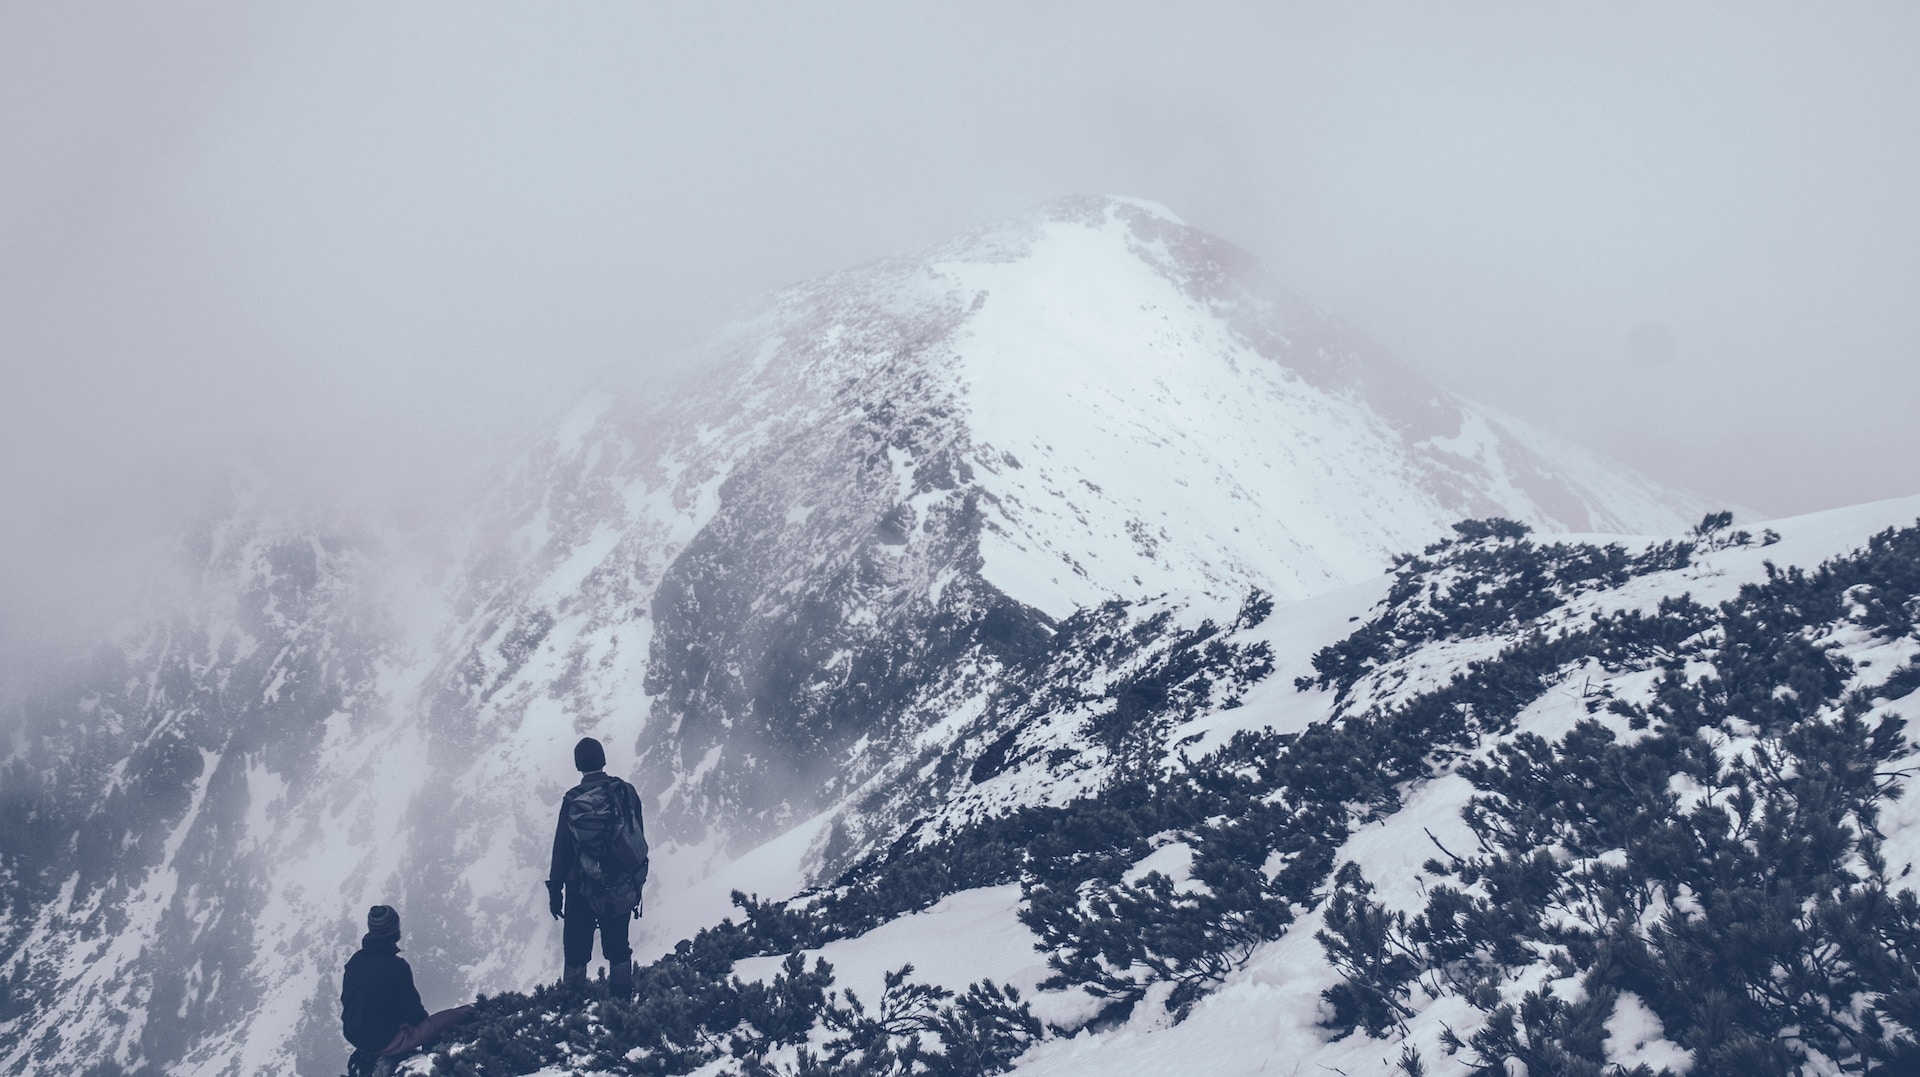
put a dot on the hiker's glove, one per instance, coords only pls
(555, 902)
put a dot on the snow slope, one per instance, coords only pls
(1266, 1018)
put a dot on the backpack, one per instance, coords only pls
(610, 843)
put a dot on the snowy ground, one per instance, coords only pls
(1264, 1020)
(970, 936)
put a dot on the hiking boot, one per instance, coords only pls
(574, 976)
(620, 980)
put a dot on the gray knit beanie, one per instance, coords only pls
(383, 922)
(588, 756)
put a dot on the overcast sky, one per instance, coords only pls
(368, 238)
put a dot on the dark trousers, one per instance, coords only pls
(582, 920)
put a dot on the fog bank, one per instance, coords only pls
(368, 243)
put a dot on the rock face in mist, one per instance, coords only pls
(146, 800)
(783, 594)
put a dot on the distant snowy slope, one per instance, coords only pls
(1127, 391)
(1150, 412)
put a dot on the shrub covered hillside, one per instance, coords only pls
(1593, 809)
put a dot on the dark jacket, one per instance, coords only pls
(377, 995)
(566, 859)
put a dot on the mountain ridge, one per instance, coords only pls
(775, 592)
(1432, 912)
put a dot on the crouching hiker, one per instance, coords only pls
(599, 868)
(380, 1011)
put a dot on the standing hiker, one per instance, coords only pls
(599, 867)
(380, 1011)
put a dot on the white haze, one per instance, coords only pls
(365, 243)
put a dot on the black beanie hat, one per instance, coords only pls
(383, 922)
(588, 756)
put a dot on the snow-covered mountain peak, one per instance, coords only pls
(798, 598)
(1130, 393)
